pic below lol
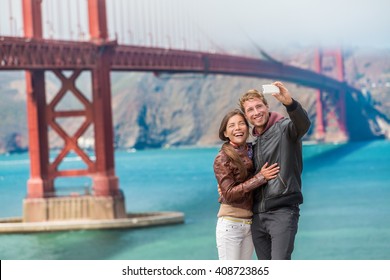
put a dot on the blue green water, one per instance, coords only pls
(345, 215)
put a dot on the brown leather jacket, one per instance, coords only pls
(234, 192)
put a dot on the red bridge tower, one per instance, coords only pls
(42, 202)
(331, 107)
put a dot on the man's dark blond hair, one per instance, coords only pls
(249, 95)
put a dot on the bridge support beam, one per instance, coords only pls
(330, 112)
(320, 129)
(40, 184)
(105, 183)
(42, 202)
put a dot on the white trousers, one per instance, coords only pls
(234, 240)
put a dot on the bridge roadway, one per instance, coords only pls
(100, 56)
(18, 53)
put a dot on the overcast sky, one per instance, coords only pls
(307, 22)
(351, 23)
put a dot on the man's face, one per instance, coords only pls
(257, 113)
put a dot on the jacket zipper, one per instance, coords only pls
(262, 201)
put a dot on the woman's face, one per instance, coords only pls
(236, 130)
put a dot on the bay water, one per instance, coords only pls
(345, 215)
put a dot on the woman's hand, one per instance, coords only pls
(269, 172)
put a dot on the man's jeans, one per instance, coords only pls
(274, 233)
(234, 240)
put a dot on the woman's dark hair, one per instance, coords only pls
(225, 120)
(228, 149)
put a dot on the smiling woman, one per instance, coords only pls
(236, 129)
(233, 169)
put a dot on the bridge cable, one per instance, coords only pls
(262, 52)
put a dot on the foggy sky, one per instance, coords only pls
(305, 22)
(269, 23)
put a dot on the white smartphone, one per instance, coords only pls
(268, 89)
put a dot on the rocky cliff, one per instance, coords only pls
(182, 109)
(152, 111)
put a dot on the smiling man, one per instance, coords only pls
(233, 168)
(278, 140)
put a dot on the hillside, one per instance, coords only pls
(152, 111)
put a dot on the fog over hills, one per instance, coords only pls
(152, 111)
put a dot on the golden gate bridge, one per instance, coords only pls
(79, 36)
